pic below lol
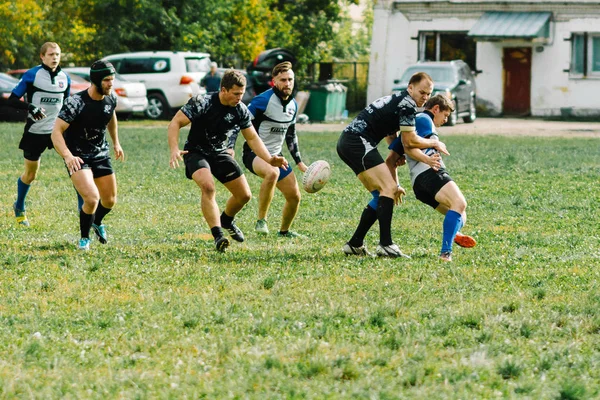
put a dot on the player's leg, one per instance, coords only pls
(83, 180)
(24, 182)
(107, 187)
(229, 173)
(452, 198)
(288, 186)
(269, 175)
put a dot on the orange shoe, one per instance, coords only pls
(464, 240)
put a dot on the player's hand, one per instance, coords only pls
(302, 167)
(119, 153)
(435, 161)
(37, 113)
(441, 147)
(73, 164)
(399, 196)
(176, 156)
(401, 161)
(278, 161)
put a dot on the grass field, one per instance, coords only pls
(157, 313)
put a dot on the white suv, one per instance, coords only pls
(171, 77)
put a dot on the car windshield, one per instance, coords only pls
(438, 74)
(197, 64)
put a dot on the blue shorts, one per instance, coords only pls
(248, 157)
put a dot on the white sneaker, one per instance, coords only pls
(391, 251)
(356, 251)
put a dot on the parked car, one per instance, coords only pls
(259, 72)
(77, 85)
(454, 78)
(131, 96)
(171, 77)
(7, 113)
(250, 92)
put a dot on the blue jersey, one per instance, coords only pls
(45, 89)
(426, 129)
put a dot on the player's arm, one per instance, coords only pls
(258, 147)
(179, 121)
(14, 102)
(410, 139)
(291, 139)
(113, 130)
(434, 161)
(20, 90)
(72, 162)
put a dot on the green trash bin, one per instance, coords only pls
(321, 103)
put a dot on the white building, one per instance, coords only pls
(534, 57)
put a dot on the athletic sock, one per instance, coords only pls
(85, 223)
(452, 224)
(79, 200)
(216, 231)
(22, 190)
(226, 220)
(385, 210)
(101, 212)
(367, 219)
(375, 200)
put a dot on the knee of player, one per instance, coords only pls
(91, 199)
(109, 202)
(29, 176)
(207, 188)
(272, 175)
(460, 205)
(244, 197)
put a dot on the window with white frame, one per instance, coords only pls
(585, 54)
(447, 46)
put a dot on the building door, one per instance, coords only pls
(517, 81)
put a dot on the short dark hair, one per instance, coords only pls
(232, 77)
(280, 68)
(441, 100)
(418, 77)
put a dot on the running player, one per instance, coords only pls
(274, 118)
(215, 118)
(79, 136)
(430, 180)
(46, 87)
(357, 147)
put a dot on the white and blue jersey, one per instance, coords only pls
(426, 129)
(275, 121)
(45, 89)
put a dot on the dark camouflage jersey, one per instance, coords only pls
(87, 118)
(213, 123)
(384, 117)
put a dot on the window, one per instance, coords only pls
(447, 46)
(585, 54)
(144, 65)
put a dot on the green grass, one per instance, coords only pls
(157, 313)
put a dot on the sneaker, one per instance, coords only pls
(261, 226)
(464, 240)
(350, 250)
(100, 232)
(446, 256)
(290, 235)
(391, 251)
(235, 232)
(221, 243)
(84, 244)
(20, 216)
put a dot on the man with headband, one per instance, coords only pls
(79, 136)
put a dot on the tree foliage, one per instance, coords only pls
(231, 30)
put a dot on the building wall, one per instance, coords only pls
(553, 92)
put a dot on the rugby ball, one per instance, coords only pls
(316, 176)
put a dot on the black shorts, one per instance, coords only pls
(248, 157)
(100, 168)
(358, 152)
(221, 165)
(428, 184)
(33, 145)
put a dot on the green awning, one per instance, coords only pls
(495, 25)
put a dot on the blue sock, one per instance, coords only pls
(79, 201)
(22, 189)
(452, 224)
(375, 200)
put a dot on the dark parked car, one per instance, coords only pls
(454, 78)
(7, 113)
(259, 72)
